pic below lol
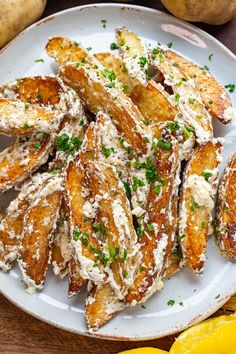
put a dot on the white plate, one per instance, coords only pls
(201, 296)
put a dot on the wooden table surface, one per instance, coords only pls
(21, 333)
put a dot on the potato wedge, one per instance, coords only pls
(75, 281)
(197, 202)
(12, 222)
(22, 158)
(114, 227)
(101, 305)
(213, 95)
(44, 90)
(114, 63)
(150, 98)
(97, 94)
(61, 245)
(18, 118)
(81, 217)
(173, 255)
(39, 224)
(225, 228)
(153, 187)
(65, 50)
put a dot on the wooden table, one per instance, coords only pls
(21, 333)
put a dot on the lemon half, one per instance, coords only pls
(145, 350)
(213, 336)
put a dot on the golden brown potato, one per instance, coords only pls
(225, 223)
(44, 90)
(65, 51)
(183, 97)
(130, 44)
(12, 222)
(213, 95)
(61, 244)
(18, 118)
(83, 239)
(154, 227)
(151, 101)
(22, 158)
(115, 64)
(99, 94)
(115, 227)
(197, 202)
(75, 280)
(101, 305)
(38, 227)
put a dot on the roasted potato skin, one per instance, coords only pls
(11, 161)
(97, 97)
(150, 274)
(75, 281)
(102, 179)
(61, 244)
(43, 90)
(99, 301)
(194, 219)
(213, 95)
(225, 224)
(18, 119)
(37, 242)
(64, 50)
(11, 224)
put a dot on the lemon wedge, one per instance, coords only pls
(215, 335)
(145, 350)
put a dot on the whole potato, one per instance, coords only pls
(214, 12)
(16, 15)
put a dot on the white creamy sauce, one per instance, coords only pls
(202, 192)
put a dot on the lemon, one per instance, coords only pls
(144, 350)
(213, 336)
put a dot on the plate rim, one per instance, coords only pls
(232, 290)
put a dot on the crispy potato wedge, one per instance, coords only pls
(173, 256)
(130, 44)
(150, 97)
(110, 147)
(75, 281)
(64, 50)
(44, 90)
(22, 158)
(10, 233)
(97, 94)
(185, 99)
(213, 95)
(12, 222)
(83, 240)
(114, 226)
(39, 224)
(101, 305)
(18, 118)
(155, 180)
(114, 63)
(47, 91)
(61, 245)
(197, 202)
(225, 222)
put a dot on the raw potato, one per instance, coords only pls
(214, 12)
(16, 15)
